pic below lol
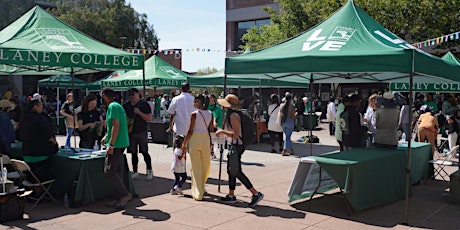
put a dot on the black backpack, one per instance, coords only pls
(248, 132)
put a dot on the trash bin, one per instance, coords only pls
(455, 187)
(310, 121)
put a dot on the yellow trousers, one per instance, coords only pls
(200, 157)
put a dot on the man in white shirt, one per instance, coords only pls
(331, 115)
(180, 111)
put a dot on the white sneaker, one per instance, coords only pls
(149, 175)
(173, 192)
(134, 175)
(178, 190)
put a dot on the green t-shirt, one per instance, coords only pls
(116, 111)
(432, 105)
(217, 113)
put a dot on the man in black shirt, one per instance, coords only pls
(352, 131)
(138, 113)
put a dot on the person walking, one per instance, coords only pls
(217, 114)
(232, 132)
(68, 111)
(274, 128)
(286, 118)
(180, 110)
(178, 166)
(198, 142)
(116, 140)
(138, 113)
(89, 120)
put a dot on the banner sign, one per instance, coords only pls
(426, 87)
(127, 83)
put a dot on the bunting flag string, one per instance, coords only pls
(178, 51)
(438, 40)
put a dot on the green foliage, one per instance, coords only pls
(110, 21)
(205, 71)
(10, 10)
(412, 20)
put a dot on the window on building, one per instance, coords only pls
(243, 27)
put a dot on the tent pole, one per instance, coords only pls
(311, 114)
(225, 85)
(408, 166)
(73, 106)
(143, 81)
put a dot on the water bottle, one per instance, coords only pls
(4, 174)
(403, 137)
(96, 147)
(66, 200)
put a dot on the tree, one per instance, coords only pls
(205, 71)
(412, 20)
(110, 21)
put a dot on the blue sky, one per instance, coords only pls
(187, 24)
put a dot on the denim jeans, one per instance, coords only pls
(288, 128)
(180, 179)
(69, 135)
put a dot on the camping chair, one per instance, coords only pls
(22, 167)
(11, 175)
(441, 163)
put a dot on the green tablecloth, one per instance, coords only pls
(89, 174)
(421, 154)
(368, 176)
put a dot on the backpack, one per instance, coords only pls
(248, 132)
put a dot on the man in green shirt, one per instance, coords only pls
(116, 140)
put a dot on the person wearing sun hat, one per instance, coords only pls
(232, 133)
(387, 123)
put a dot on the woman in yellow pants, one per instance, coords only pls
(198, 142)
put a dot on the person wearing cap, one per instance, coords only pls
(6, 127)
(38, 140)
(68, 111)
(427, 126)
(138, 113)
(180, 111)
(117, 140)
(387, 123)
(232, 133)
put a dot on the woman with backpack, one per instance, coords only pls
(198, 141)
(286, 118)
(233, 133)
(274, 128)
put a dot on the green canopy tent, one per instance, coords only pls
(97, 85)
(348, 47)
(158, 74)
(39, 44)
(62, 81)
(450, 57)
(244, 81)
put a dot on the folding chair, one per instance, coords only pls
(22, 167)
(441, 163)
(444, 144)
(11, 175)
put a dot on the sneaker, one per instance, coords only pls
(256, 199)
(149, 175)
(134, 175)
(173, 192)
(178, 190)
(228, 199)
(124, 200)
(112, 203)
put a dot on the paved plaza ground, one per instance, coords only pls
(271, 173)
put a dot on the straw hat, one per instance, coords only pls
(6, 104)
(230, 101)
